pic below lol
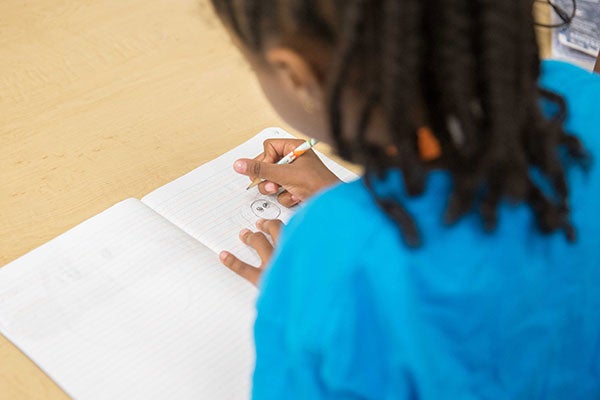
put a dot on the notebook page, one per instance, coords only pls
(128, 306)
(211, 203)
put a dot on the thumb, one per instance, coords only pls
(259, 169)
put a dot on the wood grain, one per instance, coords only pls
(542, 14)
(103, 100)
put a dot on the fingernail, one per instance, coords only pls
(260, 222)
(244, 232)
(240, 166)
(271, 187)
(294, 198)
(223, 255)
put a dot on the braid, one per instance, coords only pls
(400, 69)
(505, 165)
(453, 44)
(371, 156)
(468, 70)
(341, 66)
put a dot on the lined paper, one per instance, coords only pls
(133, 302)
(211, 203)
(126, 306)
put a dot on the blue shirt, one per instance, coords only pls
(346, 311)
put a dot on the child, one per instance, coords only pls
(465, 263)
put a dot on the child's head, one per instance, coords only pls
(368, 75)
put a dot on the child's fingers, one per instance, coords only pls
(276, 149)
(268, 187)
(259, 242)
(244, 270)
(264, 170)
(260, 157)
(272, 227)
(286, 199)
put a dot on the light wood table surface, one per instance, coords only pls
(104, 100)
(100, 101)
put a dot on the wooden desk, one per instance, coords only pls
(100, 101)
(542, 14)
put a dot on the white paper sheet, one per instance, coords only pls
(133, 303)
(127, 306)
(211, 205)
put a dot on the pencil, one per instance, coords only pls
(289, 158)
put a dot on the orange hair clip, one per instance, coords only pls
(429, 146)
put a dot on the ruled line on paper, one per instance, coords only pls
(211, 203)
(126, 305)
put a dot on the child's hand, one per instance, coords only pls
(300, 179)
(259, 242)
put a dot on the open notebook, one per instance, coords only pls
(133, 302)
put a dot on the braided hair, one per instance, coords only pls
(469, 69)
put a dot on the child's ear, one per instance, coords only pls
(298, 75)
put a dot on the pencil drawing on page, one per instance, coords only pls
(266, 209)
(257, 207)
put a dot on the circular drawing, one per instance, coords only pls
(266, 209)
